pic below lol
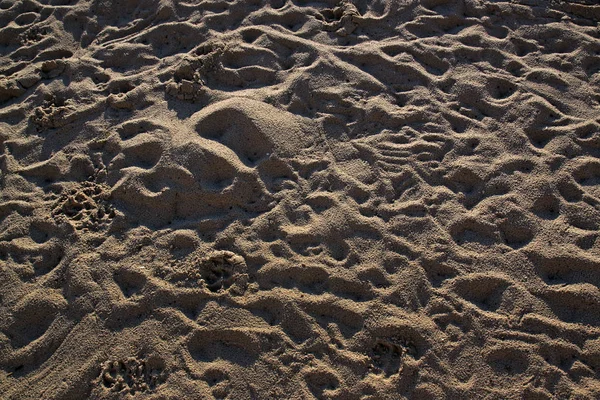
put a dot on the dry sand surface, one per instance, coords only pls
(246, 199)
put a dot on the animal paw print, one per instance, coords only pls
(185, 90)
(218, 272)
(388, 355)
(218, 381)
(343, 19)
(52, 114)
(132, 375)
(187, 83)
(10, 88)
(33, 35)
(85, 207)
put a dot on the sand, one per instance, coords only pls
(244, 199)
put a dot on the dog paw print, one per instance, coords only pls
(187, 83)
(132, 375)
(218, 272)
(52, 114)
(343, 19)
(33, 35)
(185, 90)
(10, 88)
(85, 206)
(389, 355)
(218, 381)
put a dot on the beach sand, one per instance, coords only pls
(245, 199)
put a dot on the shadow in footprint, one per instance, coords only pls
(130, 282)
(507, 360)
(320, 382)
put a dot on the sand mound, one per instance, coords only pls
(293, 199)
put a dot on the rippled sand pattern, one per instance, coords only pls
(244, 199)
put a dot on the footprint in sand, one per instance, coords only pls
(207, 171)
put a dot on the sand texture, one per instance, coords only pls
(271, 199)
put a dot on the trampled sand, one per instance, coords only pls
(252, 199)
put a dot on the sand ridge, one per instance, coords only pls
(299, 199)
